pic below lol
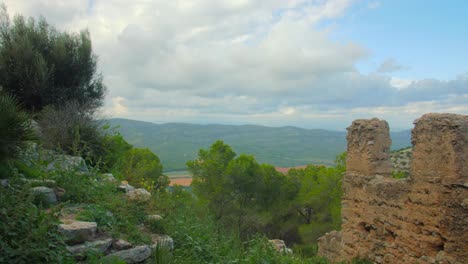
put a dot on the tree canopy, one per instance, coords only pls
(42, 66)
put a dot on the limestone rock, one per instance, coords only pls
(77, 232)
(280, 246)
(67, 163)
(125, 187)
(132, 255)
(97, 245)
(108, 177)
(162, 241)
(139, 194)
(45, 195)
(121, 244)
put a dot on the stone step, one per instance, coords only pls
(100, 246)
(77, 232)
(132, 255)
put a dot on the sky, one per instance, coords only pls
(305, 63)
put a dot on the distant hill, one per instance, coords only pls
(175, 143)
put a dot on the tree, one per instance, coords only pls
(43, 66)
(209, 176)
(319, 194)
(142, 168)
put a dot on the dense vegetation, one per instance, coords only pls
(236, 205)
(279, 146)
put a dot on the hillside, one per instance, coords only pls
(175, 143)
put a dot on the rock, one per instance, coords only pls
(59, 192)
(280, 246)
(155, 217)
(162, 241)
(133, 255)
(67, 163)
(97, 245)
(45, 195)
(121, 244)
(77, 232)
(139, 194)
(4, 182)
(125, 187)
(108, 177)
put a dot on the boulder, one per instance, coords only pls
(132, 255)
(280, 246)
(162, 241)
(76, 232)
(100, 246)
(139, 194)
(67, 163)
(108, 177)
(45, 195)
(121, 244)
(125, 187)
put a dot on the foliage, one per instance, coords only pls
(201, 239)
(142, 168)
(15, 128)
(28, 234)
(72, 129)
(43, 66)
(400, 174)
(115, 147)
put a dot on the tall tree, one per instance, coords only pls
(209, 176)
(42, 66)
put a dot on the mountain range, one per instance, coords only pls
(288, 146)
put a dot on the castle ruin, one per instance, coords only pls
(420, 219)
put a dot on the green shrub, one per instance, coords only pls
(15, 128)
(28, 234)
(96, 213)
(72, 129)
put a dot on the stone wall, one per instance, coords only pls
(421, 219)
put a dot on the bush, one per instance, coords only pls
(28, 234)
(15, 128)
(142, 168)
(72, 129)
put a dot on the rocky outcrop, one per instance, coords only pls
(420, 219)
(67, 163)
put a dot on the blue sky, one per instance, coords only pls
(428, 37)
(306, 63)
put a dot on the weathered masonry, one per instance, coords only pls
(421, 219)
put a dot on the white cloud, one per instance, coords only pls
(246, 61)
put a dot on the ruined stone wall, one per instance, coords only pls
(421, 219)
